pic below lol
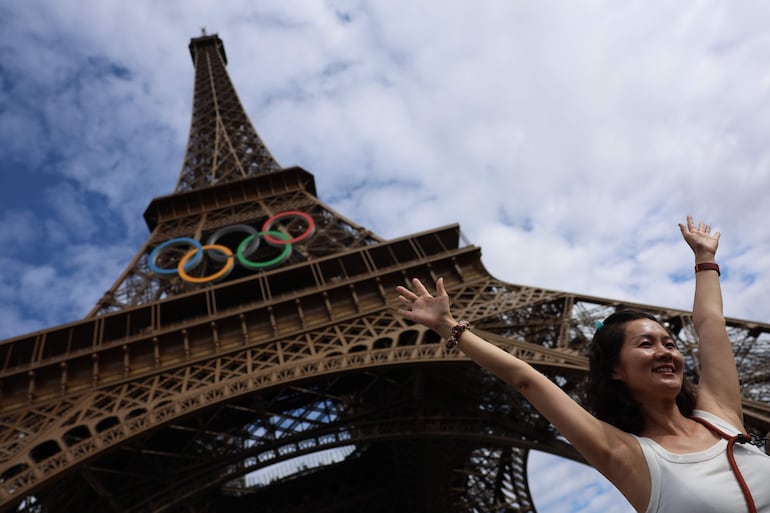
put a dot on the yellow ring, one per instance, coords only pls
(229, 263)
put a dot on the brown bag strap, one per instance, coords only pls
(731, 440)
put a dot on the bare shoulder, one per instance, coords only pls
(712, 405)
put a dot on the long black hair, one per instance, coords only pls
(608, 398)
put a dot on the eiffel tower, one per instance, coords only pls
(249, 358)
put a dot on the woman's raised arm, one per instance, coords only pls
(612, 452)
(718, 386)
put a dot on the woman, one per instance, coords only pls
(663, 446)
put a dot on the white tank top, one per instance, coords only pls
(703, 481)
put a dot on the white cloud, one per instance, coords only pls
(18, 228)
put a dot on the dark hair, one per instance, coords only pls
(610, 399)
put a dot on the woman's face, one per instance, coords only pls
(649, 362)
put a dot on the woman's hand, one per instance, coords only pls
(703, 243)
(425, 309)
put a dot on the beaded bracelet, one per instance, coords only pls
(456, 333)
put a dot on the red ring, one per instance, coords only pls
(302, 236)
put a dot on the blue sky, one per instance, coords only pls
(567, 138)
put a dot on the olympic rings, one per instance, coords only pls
(224, 255)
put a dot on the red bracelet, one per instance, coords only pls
(455, 335)
(708, 266)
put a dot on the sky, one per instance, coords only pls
(567, 138)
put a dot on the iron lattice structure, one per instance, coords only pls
(293, 387)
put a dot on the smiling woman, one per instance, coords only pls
(624, 338)
(651, 436)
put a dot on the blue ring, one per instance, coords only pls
(192, 263)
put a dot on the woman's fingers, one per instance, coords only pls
(422, 291)
(405, 293)
(440, 291)
(408, 298)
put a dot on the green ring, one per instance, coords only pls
(245, 262)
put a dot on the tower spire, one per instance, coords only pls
(223, 145)
(229, 183)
